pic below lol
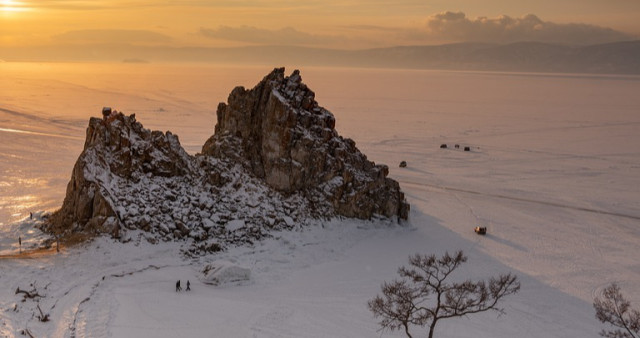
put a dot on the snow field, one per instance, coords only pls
(552, 172)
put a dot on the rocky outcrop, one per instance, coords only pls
(290, 141)
(274, 162)
(129, 178)
(117, 150)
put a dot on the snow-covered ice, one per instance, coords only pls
(553, 173)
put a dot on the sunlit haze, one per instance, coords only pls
(282, 159)
(328, 23)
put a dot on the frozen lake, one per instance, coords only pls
(553, 169)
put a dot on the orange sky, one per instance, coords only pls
(318, 23)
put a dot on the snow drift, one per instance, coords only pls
(223, 272)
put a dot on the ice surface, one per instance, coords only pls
(553, 174)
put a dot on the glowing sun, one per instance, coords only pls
(10, 6)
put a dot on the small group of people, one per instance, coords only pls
(179, 288)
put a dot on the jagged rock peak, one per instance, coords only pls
(126, 147)
(290, 141)
(129, 178)
(274, 162)
(118, 153)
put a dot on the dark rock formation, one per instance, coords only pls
(274, 162)
(291, 142)
(117, 150)
(130, 178)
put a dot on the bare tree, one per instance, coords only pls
(29, 294)
(43, 317)
(423, 296)
(615, 310)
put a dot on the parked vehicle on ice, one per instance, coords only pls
(481, 230)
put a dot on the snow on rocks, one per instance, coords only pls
(234, 225)
(280, 134)
(275, 162)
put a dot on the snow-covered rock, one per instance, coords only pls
(274, 162)
(234, 225)
(221, 273)
(281, 134)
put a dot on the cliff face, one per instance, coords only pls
(291, 142)
(274, 162)
(284, 134)
(118, 154)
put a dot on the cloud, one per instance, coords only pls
(457, 26)
(112, 36)
(284, 36)
(127, 4)
(374, 28)
(65, 4)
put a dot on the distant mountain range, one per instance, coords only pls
(610, 58)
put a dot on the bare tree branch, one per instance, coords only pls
(29, 294)
(615, 310)
(42, 317)
(27, 332)
(402, 303)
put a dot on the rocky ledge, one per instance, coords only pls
(275, 161)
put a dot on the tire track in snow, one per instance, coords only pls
(560, 128)
(78, 327)
(521, 199)
(62, 123)
(35, 133)
(558, 156)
